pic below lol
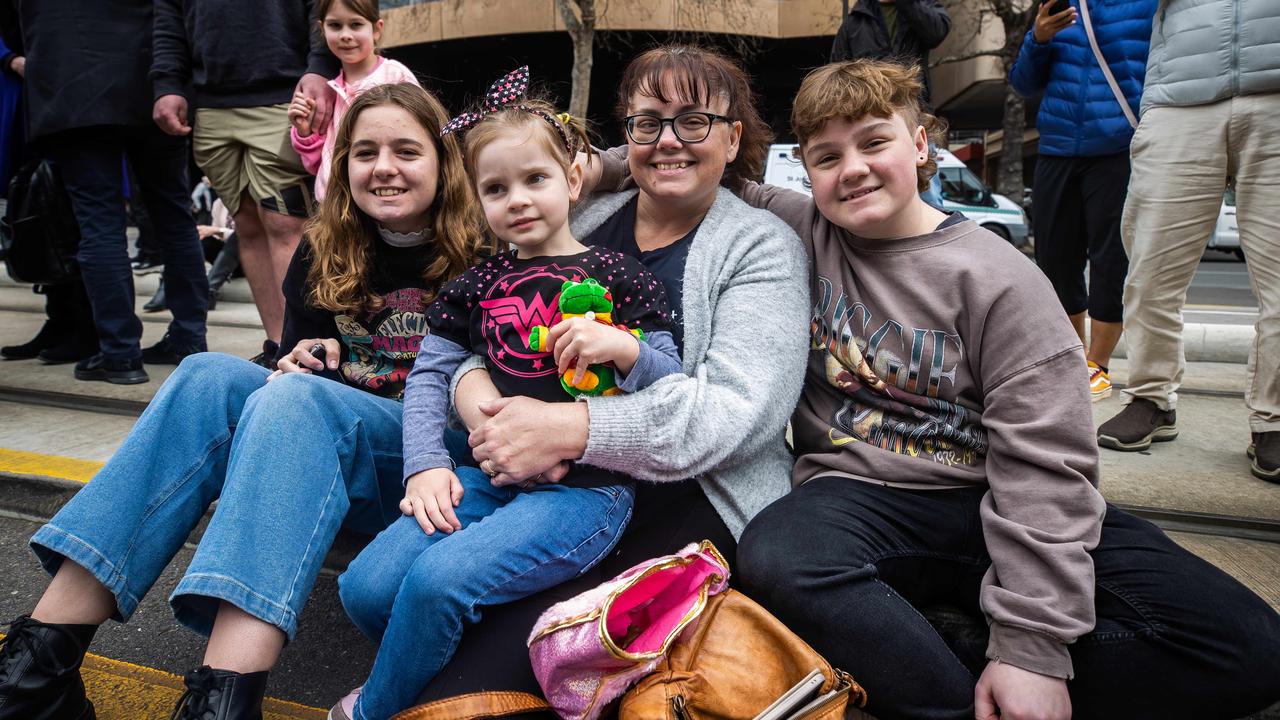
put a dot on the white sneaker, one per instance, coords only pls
(346, 707)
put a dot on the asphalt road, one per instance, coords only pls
(1222, 280)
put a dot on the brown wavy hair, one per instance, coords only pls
(367, 9)
(857, 88)
(343, 238)
(699, 75)
(540, 122)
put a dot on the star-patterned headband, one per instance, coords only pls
(506, 92)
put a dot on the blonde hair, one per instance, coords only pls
(857, 88)
(541, 119)
(342, 235)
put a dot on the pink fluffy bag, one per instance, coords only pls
(586, 651)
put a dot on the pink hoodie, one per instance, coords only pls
(316, 149)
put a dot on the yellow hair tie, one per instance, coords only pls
(564, 118)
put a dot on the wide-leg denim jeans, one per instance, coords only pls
(289, 461)
(414, 593)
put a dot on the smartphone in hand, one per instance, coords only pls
(1058, 6)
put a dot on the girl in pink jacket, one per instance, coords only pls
(352, 29)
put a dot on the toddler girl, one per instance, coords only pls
(352, 29)
(466, 543)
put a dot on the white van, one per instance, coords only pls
(961, 190)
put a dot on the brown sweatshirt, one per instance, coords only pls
(944, 361)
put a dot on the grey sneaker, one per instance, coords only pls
(1265, 453)
(1139, 424)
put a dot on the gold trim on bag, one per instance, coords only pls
(704, 547)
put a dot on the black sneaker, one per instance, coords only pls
(167, 352)
(117, 372)
(40, 671)
(1264, 451)
(146, 266)
(1139, 424)
(221, 695)
(266, 358)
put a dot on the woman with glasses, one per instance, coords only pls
(707, 445)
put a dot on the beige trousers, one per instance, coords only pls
(1182, 159)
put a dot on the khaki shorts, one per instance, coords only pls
(248, 149)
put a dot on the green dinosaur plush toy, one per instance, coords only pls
(593, 301)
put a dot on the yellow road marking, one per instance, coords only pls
(28, 463)
(124, 691)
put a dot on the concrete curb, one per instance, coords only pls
(1204, 342)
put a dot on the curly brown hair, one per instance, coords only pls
(342, 236)
(857, 88)
(700, 74)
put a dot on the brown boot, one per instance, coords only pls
(1139, 424)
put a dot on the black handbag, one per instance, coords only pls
(39, 236)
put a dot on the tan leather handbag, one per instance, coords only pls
(733, 665)
(476, 706)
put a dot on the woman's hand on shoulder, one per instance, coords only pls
(430, 496)
(300, 359)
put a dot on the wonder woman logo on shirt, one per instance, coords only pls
(514, 305)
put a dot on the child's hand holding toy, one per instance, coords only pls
(586, 345)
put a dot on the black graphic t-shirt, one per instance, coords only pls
(378, 347)
(492, 307)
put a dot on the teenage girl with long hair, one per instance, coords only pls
(292, 460)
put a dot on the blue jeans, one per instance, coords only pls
(289, 461)
(414, 592)
(89, 159)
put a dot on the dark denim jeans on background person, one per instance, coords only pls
(848, 564)
(289, 461)
(90, 162)
(415, 594)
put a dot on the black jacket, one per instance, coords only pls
(87, 61)
(236, 53)
(922, 25)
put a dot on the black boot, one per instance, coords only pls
(40, 671)
(221, 695)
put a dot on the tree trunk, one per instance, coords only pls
(582, 31)
(583, 46)
(1009, 180)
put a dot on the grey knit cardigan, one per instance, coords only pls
(746, 319)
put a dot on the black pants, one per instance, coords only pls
(1078, 205)
(90, 161)
(493, 655)
(848, 565)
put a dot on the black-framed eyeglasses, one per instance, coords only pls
(689, 127)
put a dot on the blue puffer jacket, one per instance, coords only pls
(1079, 116)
